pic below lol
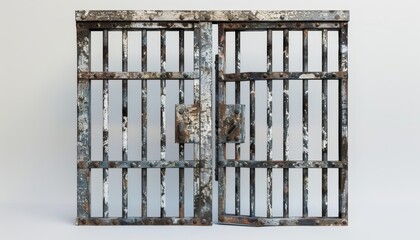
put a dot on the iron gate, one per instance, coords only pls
(193, 123)
(230, 120)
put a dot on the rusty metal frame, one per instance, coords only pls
(201, 23)
(87, 22)
(323, 21)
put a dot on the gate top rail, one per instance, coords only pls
(213, 16)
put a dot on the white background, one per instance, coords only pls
(38, 122)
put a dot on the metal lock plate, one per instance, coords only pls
(232, 122)
(187, 119)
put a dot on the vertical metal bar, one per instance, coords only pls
(286, 123)
(269, 124)
(324, 123)
(221, 90)
(144, 123)
(252, 147)
(196, 87)
(343, 120)
(305, 124)
(124, 124)
(83, 123)
(181, 145)
(206, 55)
(105, 131)
(237, 101)
(163, 123)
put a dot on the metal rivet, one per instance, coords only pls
(115, 221)
(181, 111)
(97, 164)
(80, 164)
(243, 25)
(344, 222)
(81, 24)
(221, 219)
(133, 164)
(207, 17)
(298, 24)
(97, 221)
(185, 75)
(336, 24)
(194, 221)
(250, 17)
(151, 17)
(237, 111)
(112, 74)
(168, 221)
(187, 164)
(83, 17)
(280, 24)
(281, 74)
(122, 17)
(204, 221)
(261, 222)
(230, 18)
(317, 24)
(333, 75)
(237, 138)
(114, 25)
(282, 17)
(96, 75)
(169, 24)
(112, 164)
(337, 17)
(181, 222)
(83, 221)
(98, 24)
(344, 24)
(317, 221)
(181, 17)
(265, 75)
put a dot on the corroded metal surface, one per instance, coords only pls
(187, 123)
(232, 123)
(211, 16)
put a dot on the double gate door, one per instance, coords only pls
(233, 125)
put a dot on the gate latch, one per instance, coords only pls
(187, 120)
(231, 123)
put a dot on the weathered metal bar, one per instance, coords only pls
(281, 25)
(237, 101)
(138, 75)
(282, 164)
(142, 164)
(181, 145)
(343, 121)
(294, 76)
(221, 93)
(252, 147)
(163, 123)
(83, 124)
(144, 124)
(98, 25)
(206, 55)
(124, 124)
(105, 130)
(141, 221)
(324, 123)
(196, 100)
(212, 16)
(286, 123)
(259, 222)
(269, 123)
(305, 190)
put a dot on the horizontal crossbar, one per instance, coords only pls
(247, 76)
(298, 221)
(264, 26)
(144, 164)
(282, 164)
(211, 16)
(136, 26)
(144, 221)
(137, 75)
